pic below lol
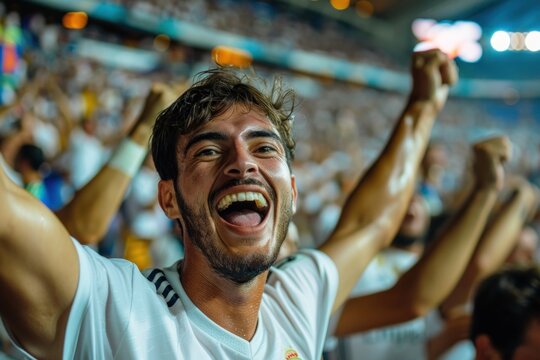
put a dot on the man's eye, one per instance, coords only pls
(207, 152)
(266, 149)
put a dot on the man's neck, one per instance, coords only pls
(234, 307)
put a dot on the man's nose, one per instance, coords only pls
(241, 163)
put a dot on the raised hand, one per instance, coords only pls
(489, 157)
(432, 72)
(160, 96)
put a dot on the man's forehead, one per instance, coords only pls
(235, 123)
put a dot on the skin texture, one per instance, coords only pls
(373, 212)
(442, 264)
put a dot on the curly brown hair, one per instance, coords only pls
(214, 92)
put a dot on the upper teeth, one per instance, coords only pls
(259, 199)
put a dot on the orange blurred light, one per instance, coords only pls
(228, 56)
(75, 20)
(340, 4)
(365, 8)
(162, 42)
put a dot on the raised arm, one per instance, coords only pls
(88, 215)
(373, 212)
(427, 283)
(65, 113)
(38, 271)
(494, 246)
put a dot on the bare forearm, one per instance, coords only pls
(373, 212)
(493, 248)
(444, 263)
(415, 293)
(391, 178)
(88, 215)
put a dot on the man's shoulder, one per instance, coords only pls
(303, 257)
(303, 268)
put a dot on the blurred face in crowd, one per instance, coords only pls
(235, 192)
(434, 162)
(528, 349)
(416, 219)
(505, 322)
(89, 126)
(414, 225)
(525, 250)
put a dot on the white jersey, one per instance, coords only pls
(119, 313)
(404, 341)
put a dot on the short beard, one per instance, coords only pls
(239, 270)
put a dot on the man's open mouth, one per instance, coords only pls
(243, 208)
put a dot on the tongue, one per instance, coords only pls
(243, 218)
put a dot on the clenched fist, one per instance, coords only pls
(489, 157)
(432, 73)
(160, 96)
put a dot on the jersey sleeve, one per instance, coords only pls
(102, 305)
(306, 286)
(101, 308)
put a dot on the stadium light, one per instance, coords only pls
(340, 4)
(456, 39)
(500, 40)
(75, 20)
(532, 41)
(230, 56)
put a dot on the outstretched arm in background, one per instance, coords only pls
(88, 215)
(373, 212)
(428, 282)
(494, 247)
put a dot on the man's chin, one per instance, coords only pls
(242, 270)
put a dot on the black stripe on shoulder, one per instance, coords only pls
(173, 300)
(153, 274)
(285, 261)
(160, 281)
(166, 291)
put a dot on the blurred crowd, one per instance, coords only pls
(269, 22)
(75, 110)
(62, 114)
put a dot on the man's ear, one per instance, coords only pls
(167, 199)
(484, 349)
(294, 193)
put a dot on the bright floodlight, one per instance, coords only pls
(532, 41)
(500, 41)
(470, 52)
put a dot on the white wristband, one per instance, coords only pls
(128, 157)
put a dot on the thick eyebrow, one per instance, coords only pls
(202, 137)
(263, 134)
